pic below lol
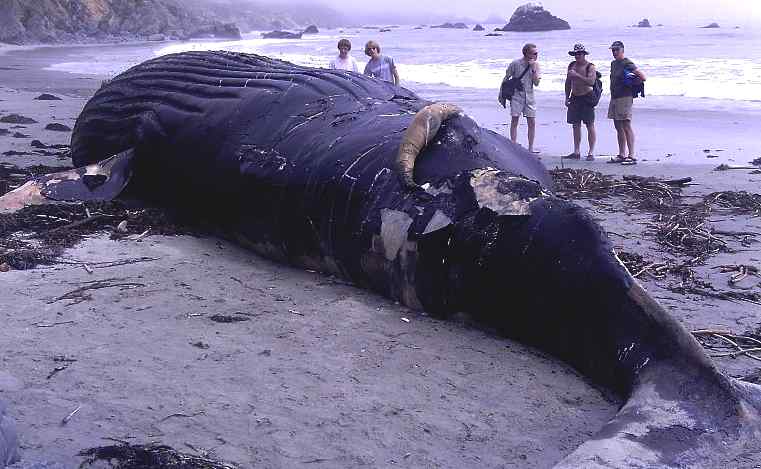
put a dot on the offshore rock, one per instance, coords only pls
(311, 29)
(281, 35)
(451, 26)
(217, 30)
(645, 23)
(533, 17)
(711, 26)
(478, 27)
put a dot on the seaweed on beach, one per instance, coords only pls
(647, 193)
(39, 234)
(683, 229)
(736, 201)
(150, 456)
(12, 176)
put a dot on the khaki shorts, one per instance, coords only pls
(620, 109)
(522, 104)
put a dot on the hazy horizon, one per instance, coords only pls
(728, 13)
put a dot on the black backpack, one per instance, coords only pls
(594, 99)
(508, 87)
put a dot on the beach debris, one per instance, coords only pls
(38, 144)
(405, 320)
(4, 267)
(727, 344)
(740, 272)
(17, 119)
(58, 127)
(683, 229)
(57, 370)
(122, 226)
(150, 456)
(752, 377)
(53, 324)
(47, 97)
(81, 294)
(737, 201)
(226, 319)
(68, 418)
(727, 167)
(200, 344)
(39, 234)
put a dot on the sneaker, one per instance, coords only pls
(573, 156)
(590, 158)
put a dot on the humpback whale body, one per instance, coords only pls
(352, 176)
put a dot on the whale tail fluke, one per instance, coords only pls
(675, 419)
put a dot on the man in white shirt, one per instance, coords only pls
(344, 61)
(526, 69)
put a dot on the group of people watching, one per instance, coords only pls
(625, 80)
(379, 66)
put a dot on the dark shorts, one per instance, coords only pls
(579, 110)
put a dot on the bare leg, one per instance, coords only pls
(592, 135)
(514, 129)
(629, 133)
(531, 121)
(621, 137)
(577, 138)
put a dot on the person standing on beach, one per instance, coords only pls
(621, 100)
(380, 66)
(344, 61)
(523, 101)
(578, 92)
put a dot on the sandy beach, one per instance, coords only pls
(318, 373)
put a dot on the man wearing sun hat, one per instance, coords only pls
(579, 100)
(621, 100)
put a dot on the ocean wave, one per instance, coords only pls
(701, 77)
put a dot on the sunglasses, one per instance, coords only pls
(615, 49)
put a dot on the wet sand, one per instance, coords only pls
(320, 374)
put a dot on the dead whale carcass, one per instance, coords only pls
(314, 167)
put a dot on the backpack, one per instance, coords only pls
(633, 81)
(508, 88)
(596, 88)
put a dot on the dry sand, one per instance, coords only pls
(320, 374)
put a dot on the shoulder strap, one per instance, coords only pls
(524, 72)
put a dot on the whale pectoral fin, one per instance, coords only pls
(421, 131)
(100, 181)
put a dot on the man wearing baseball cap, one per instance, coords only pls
(621, 100)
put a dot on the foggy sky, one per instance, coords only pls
(727, 13)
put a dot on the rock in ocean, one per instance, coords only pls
(533, 17)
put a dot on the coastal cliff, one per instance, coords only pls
(57, 21)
